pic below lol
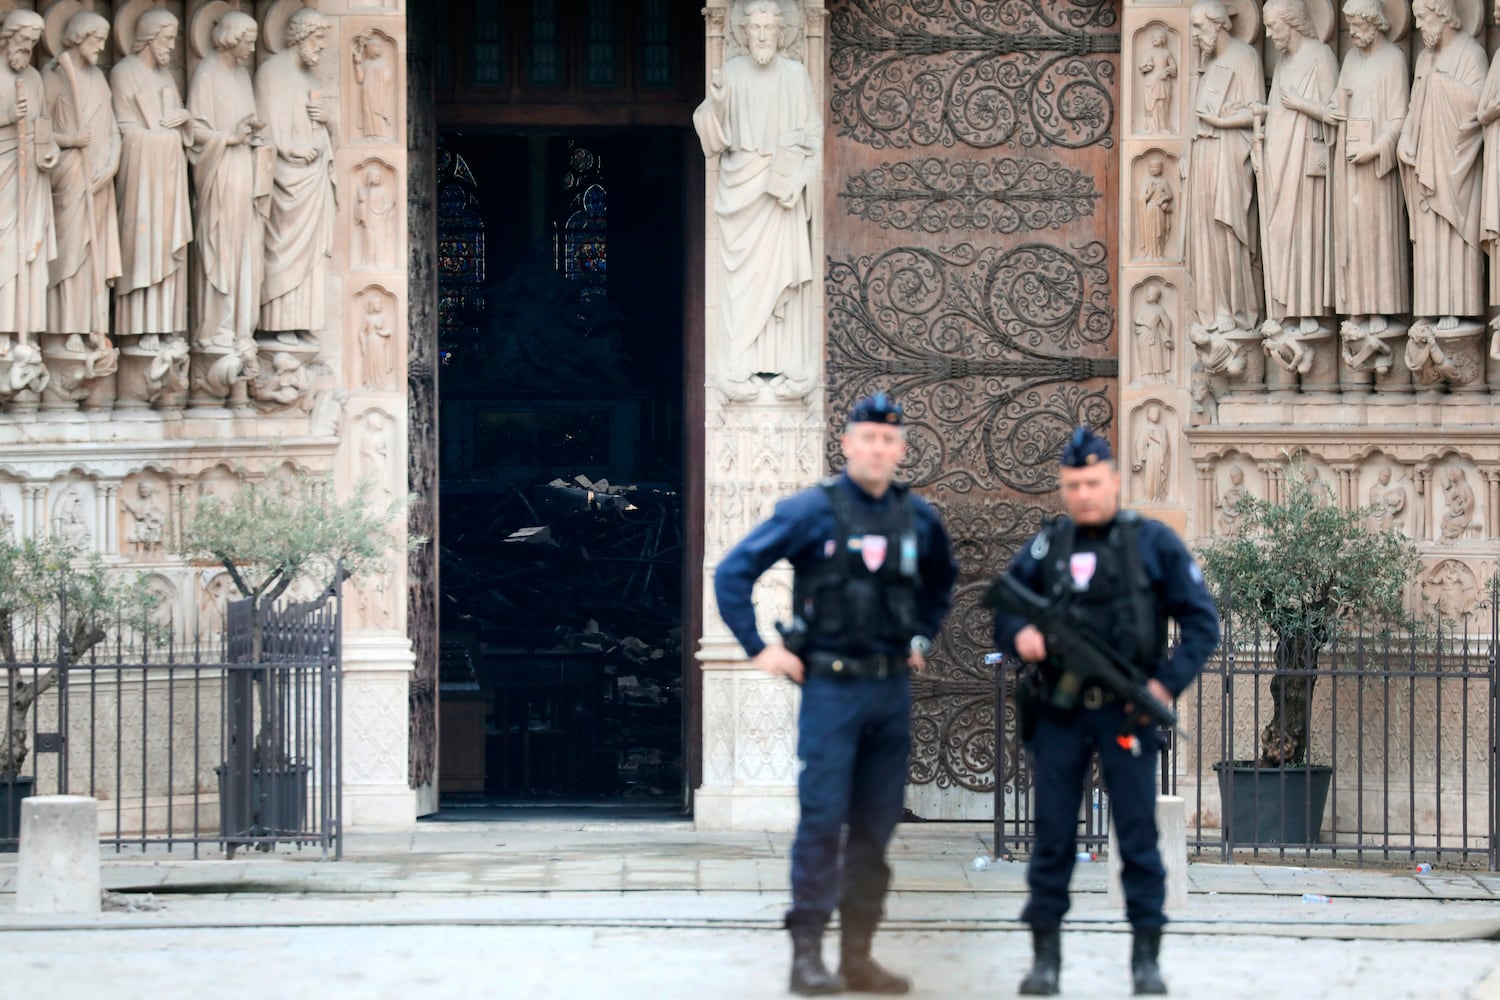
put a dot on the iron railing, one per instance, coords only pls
(1403, 731)
(188, 745)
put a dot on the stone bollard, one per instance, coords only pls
(58, 868)
(1171, 841)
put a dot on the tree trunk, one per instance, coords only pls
(1284, 740)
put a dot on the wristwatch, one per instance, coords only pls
(921, 645)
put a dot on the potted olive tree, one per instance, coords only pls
(1296, 571)
(49, 593)
(272, 533)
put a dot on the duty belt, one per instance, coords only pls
(876, 667)
(1096, 697)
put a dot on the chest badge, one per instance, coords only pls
(872, 549)
(1081, 566)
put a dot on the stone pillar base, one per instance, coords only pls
(377, 678)
(1171, 840)
(740, 808)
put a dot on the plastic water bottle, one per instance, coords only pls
(981, 863)
(1423, 868)
(1085, 856)
(1313, 897)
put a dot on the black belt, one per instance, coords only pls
(875, 667)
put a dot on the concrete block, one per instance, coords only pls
(1171, 841)
(58, 867)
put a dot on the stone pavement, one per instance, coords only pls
(658, 910)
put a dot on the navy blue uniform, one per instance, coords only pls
(1064, 740)
(853, 733)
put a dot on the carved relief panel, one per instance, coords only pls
(970, 273)
(1160, 80)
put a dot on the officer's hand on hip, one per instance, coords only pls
(1159, 692)
(1031, 645)
(778, 661)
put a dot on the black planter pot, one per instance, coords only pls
(1272, 806)
(12, 791)
(275, 806)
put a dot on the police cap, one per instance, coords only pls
(877, 409)
(1085, 448)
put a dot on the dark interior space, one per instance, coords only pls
(562, 266)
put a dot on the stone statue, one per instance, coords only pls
(1387, 502)
(375, 75)
(148, 518)
(376, 345)
(1440, 156)
(1225, 287)
(1229, 516)
(155, 221)
(1489, 118)
(1459, 496)
(1289, 346)
(1294, 173)
(83, 189)
(375, 456)
(69, 523)
(167, 369)
(299, 229)
(762, 123)
(1154, 213)
(28, 239)
(217, 593)
(327, 415)
(228, 255)
(374, 218)
(1205, 403)
(1454, 587)
(1151, 452)
(1158, 68)
(1426, 357)
(286, 384)
(28, 374)
(1216, 352)
(1153, 337)
(1363, 348)
(1371, 271)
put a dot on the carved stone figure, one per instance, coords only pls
(1154, 212)
(376, 345)
(7, 526)
(28, 239)
(285, 384)
(1363, 350)
(1289, 346)
(1426, 357)
(228, 253)
(1218, 354)
(1153, 337)
(148, 518)
(1489, 118)
(217, 593)
(152, 184)
(28, 373)
(1158, 68)
(1294, 174)
(299, 228)
(1205, 403)
(1229, 517)
(69, 523)
(1387, 502)
(762, 123)
(83, 190)
(374, 219)
(1459, 496)
(1452, 589)
(1225, 292)
(1440, 156)
(375, 455)
(375, 75)
(327, 412)
(1151, 449)
(1371, 254)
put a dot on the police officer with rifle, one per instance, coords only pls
(873, 581)
(1097, 587)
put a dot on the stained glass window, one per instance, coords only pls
(599, 45)
(489, 43)
(658, 60)
(460, 254)
(546, 49)
(584, 247)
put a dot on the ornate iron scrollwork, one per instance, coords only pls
(985, 74)
(1004, 194)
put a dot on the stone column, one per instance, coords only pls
(757, 451)
(377, 679)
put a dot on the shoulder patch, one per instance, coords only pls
(1195, 572)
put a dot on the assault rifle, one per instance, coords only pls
(1082, 655)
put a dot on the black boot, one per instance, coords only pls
(810, 977)
(862, 974)
(1046, 963)
(1145, 948)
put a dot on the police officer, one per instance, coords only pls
(1130, 574)
(873, 580)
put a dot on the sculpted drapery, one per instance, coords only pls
(28, 238)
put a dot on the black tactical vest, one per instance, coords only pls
(1108, 583)
(861, 596)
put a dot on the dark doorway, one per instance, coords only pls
(562, 440)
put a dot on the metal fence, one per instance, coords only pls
(1401, 755)
(187, 746)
